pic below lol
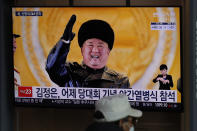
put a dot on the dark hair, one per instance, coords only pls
(98, 115)
(163, 66)
(16, 35)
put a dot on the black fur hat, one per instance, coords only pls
(96, 29)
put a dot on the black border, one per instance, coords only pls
(128, 5)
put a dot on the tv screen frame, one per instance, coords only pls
(32, 94)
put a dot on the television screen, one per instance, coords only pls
(73, 56)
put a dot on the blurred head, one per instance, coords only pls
(14, 41)
(163, 69)
(14, 44)
(95, 53)
(117, 108)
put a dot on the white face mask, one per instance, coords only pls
(132, 128)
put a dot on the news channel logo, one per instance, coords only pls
(28, 13)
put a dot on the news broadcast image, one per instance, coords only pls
(145, 38)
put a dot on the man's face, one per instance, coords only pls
(14, 44)
(95, 53)
(164, 72)
(127, 123)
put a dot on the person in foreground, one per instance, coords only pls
(95, 38)
(114, 113)
(17, 80)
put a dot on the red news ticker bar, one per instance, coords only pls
(24, 91)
